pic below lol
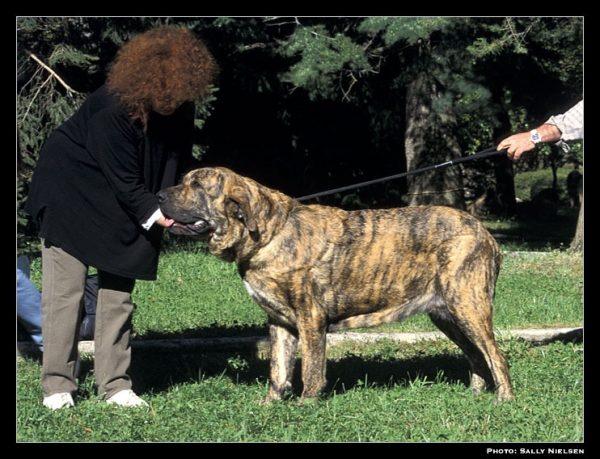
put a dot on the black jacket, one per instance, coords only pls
(95, 183)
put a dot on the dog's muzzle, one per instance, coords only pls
(198, 228)
(193, 227)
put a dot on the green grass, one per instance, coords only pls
(529, 184)
(387, 392)
(540, 290)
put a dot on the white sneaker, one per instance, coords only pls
(57, 401)
(126, 398)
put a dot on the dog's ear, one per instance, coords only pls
(242, 210)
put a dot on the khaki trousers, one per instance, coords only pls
(63, 285)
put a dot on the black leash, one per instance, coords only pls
(482, 154)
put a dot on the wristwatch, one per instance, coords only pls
(536, 137)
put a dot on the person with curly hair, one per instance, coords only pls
(93, 195)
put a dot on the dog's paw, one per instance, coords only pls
(268, 400)
(308, 401)
(263, 402)
(504, 395)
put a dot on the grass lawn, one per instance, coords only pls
(387, 392)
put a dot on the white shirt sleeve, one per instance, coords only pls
(152, 220)
(570, 123)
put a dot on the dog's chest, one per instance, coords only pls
(253, 293)
(271, 303)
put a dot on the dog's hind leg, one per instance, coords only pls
(488, 364)
(467, 287)
(480, 372)
(284, 343)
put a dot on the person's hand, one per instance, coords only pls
(516, 145)
(165, 222)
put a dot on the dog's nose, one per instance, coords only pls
(162, 197)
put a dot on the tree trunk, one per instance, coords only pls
(430, 140)
(577, 242)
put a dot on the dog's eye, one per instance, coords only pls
(195, 184)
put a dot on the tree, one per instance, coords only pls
(430, 139)
(577, 243)
(431, 121)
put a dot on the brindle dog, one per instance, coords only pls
(315, 269)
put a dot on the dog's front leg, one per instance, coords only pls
(313, 339)
(284, 343)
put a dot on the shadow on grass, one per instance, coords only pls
(157, 369)
(154, 372)
(212, 331)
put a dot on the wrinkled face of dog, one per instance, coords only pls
(211, 204)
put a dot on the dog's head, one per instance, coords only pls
(235, 214)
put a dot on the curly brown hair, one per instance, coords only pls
(159, 70)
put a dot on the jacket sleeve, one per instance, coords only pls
(115, 143)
